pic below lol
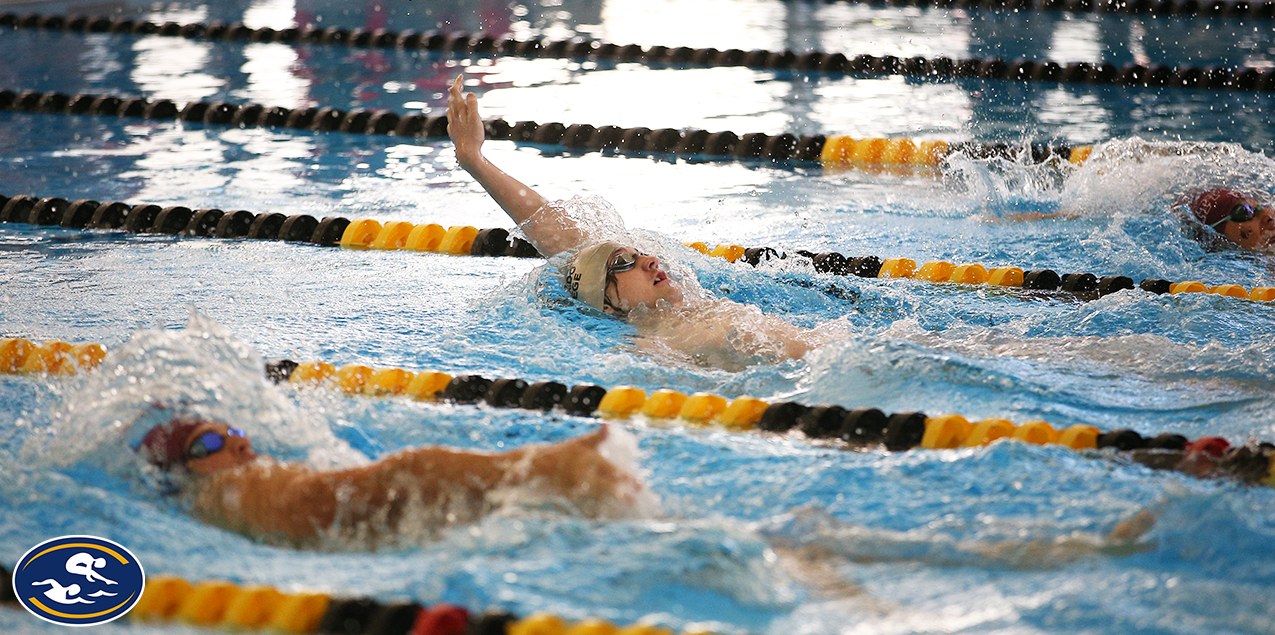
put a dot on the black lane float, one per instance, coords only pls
(833, 153)
(1132, 74)
(855, 429)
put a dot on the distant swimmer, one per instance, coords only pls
(412, 492)
(1239, 218)
(673, 316)
(84, 564)
(62, 594)
(1228, 213)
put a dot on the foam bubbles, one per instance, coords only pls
(199, 371)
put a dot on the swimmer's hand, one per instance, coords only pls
(578, 471)
(1125, 537)
(464, 125)
(1030, 216)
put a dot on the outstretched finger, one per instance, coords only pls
(454, 94)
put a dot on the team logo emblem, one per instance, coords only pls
(78, 580)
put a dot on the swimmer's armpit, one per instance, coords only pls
(552, 230)
(1031, 216)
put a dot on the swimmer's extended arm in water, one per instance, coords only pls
(813, 558)
(429, 488)
(551, 232)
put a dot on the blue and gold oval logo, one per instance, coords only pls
(78, 580)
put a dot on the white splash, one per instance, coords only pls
(200, 371)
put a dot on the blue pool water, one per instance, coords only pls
(906, 529)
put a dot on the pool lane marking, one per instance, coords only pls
(459, 240)
(835, 153)
(456, 44)
(899, 431)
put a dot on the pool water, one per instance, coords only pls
(904, 537)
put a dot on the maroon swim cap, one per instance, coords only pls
(441, 619)
(164, 446)
(1212, 446)
(1214, 206)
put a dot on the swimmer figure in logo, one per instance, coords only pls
(622, 281)
(84, 564)
(62, 594)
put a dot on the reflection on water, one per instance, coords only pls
(275, 76)
(276, 14)
(848, 27)
(173, 67)
(738, 99)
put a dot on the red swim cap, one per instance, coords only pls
(1213, 206)
(441, 619)
(1212, 446)
(164, 446)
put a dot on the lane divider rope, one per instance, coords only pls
(1132, 74)
(236, 608)
(833, 153)
(334, 231)
(467, 240)
(1085, 286)
(857, 429)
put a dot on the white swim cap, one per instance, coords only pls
(585, 275)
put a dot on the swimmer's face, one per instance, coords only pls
(645, 284)
(235, 449)
(1257, 233)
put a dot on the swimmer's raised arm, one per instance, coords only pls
(551, 234)
(465, 127)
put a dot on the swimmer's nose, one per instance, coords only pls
(241, 447)
(652, 263)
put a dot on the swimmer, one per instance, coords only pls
(1212, 217)
(62, 594)
(1240, 219)
(84, 563)
(228, 485)
(620, 280)
(1211, 457)
(425, 489)
(1222, 215)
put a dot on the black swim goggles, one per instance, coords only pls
(1241, 213)
(210, 443)
(623, 261)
